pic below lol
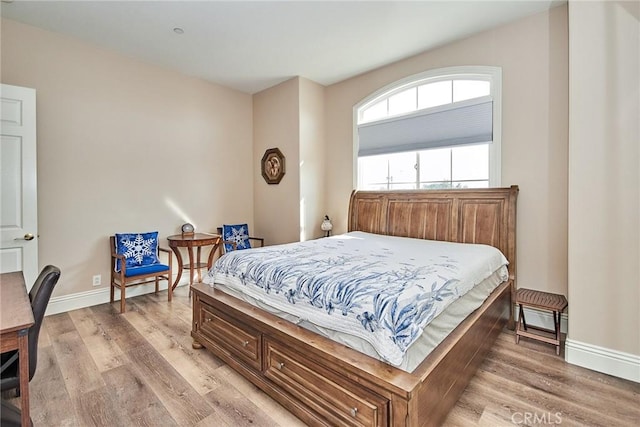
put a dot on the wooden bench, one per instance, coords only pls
(544, 301)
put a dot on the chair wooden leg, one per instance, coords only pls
(157, 284)
(556, 324)
(122, 287)
(169, 288)
(518, 323)
(112, 292)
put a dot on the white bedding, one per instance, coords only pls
(433, 333)
(374, 293)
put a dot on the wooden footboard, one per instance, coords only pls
(326, 383)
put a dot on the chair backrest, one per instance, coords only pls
(238, 234)
(138, 248)
(40, 295)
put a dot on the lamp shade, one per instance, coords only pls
(326, 224)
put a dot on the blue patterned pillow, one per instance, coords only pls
(138, 249)
(239, 234)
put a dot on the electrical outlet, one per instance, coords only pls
(97, 280)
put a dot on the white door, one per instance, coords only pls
(18, 208)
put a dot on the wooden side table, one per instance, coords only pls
(545, 301)
(197, 240)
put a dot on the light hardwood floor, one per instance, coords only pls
(97, 367)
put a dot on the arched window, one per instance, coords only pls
(438, 129)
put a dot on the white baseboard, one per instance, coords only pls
(611, 362)
(541, 318)
(93, 297)
(600, 359)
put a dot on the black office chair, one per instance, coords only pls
(10, 416)
(39, 295)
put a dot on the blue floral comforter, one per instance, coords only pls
(382, 289)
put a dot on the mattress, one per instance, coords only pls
(367, 291)
(433, 334)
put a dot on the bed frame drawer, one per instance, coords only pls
(337, 401)
(238, 338)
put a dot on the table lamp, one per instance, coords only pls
(326, 225)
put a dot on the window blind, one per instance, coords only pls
(455, 125)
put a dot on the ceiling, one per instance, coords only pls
(253, 45)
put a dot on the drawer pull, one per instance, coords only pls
(354, 412)
(281, 366)
(245, 343)
(208, 319)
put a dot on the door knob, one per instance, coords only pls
(27, 236)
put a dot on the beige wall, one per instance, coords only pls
(312, 165)
(194, 139)
(125, 146)
(276, 124)
(534, 59)
(604, 177)
(290, 116)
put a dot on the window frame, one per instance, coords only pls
(471, 72)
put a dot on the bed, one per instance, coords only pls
(324, 382)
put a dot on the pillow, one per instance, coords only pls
(138, 249)
(239, 234)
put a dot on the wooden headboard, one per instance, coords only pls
(486, 216)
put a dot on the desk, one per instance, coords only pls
(197, 240)
(16, 317)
